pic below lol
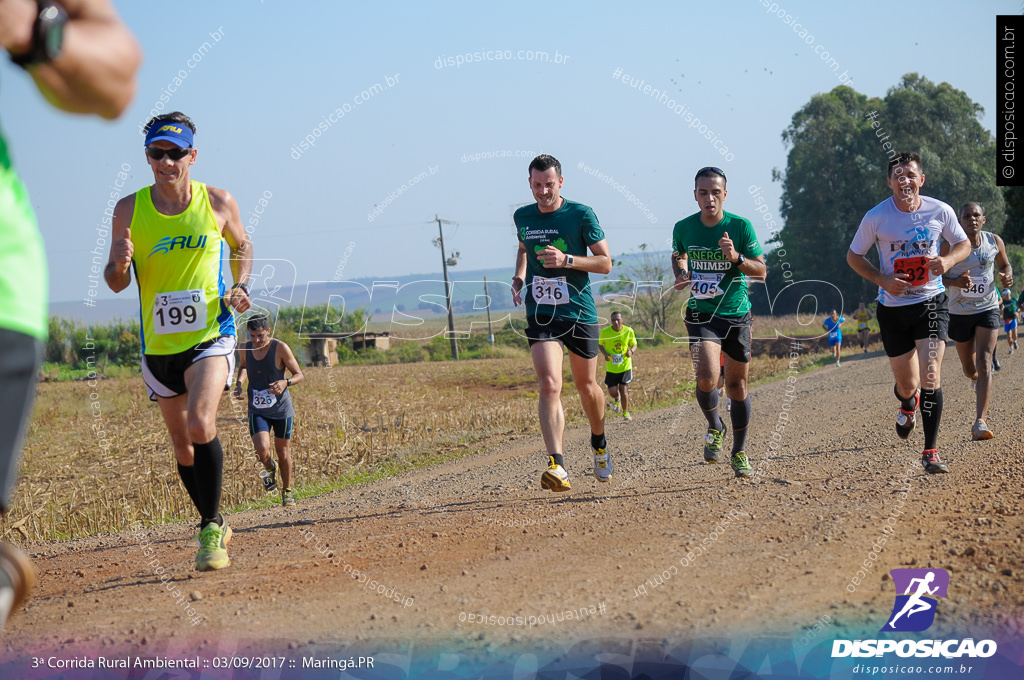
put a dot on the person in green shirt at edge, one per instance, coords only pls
(618, 345)
(552, 268)
(714, 254)
(83, 60)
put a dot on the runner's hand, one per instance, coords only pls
(937, 265)
(238, 391)
(17, 17)
(238, 299)
(962, 281)
(124, 249)
(277, 387)
(682, 281)
(896, 284)
(727, 247)
(551, 257)
(1007, 279)
(517, 291)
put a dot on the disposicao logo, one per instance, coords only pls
(914, 611)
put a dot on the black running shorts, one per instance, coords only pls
(578, 338)
(731, 332)
(902, 327)
(961, 326)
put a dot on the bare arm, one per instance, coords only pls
(226, 209)
(117, 273)
(95, 72)
(1003, 264)
(598, 263)
(241, 374)
(894, 284)
(519, 278)
(285, 357)
(681, 269)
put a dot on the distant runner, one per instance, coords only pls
(974, 307)
(835, 334)
(552, 266)
(862, 316)
(173, 235)
(618, 345)
(263, 361)
(1008, 303)
(913, 315)
(95, 73)
(716, 252)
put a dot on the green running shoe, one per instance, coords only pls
(740, 464)
(713, 444)
(213, 542)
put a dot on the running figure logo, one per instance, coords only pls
(914, 610)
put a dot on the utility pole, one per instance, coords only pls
(490, 333)
(447, 288)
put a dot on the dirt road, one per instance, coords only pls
(671, 549)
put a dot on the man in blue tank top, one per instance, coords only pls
(263, 361)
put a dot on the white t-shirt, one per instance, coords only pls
(903, 238)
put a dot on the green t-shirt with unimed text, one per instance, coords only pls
(717, 286)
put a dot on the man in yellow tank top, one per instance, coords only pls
(173, 235)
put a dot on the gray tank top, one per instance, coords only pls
(983, 294)
(261, 373)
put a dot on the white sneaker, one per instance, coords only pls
(615, 406)
(602, 465)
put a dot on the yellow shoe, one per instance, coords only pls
(213, 543)
(555, 478)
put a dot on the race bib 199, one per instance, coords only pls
(979, 288)
(704, 286)
(550, 291)
(263, 398)
(179, 312)
(914, 267)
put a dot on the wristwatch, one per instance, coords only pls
(288, 382)
(47, 35)
(568, 261)
(741, 260)
(243, 286)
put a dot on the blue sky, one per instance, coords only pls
(280, 69)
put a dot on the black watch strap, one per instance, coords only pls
(243, 286)
(741, 260)
(47, 35)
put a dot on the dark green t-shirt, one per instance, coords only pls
(717, 285)
(566, 293)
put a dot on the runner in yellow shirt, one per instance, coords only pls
(174, 235)
(618, 345)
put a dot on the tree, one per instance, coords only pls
(841, 142)
(643, 282)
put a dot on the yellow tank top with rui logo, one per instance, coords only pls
(178, 263)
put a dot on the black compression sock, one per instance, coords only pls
(931, 414)
(708, 402)
(209, 465)
(597, 441)
(740, 415)
(188, 479)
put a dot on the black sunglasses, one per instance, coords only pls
(176, 153)
(717, 171)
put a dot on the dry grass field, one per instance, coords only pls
(98, 458)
